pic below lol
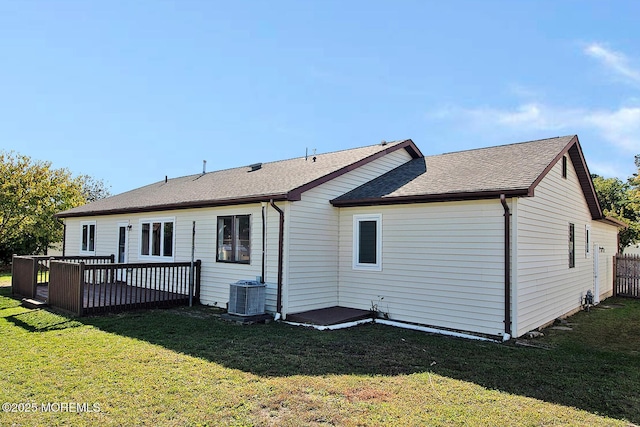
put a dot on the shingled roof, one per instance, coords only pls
(281, 180)
(512, 170)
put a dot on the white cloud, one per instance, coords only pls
(620, 127)
(616, 61)
(607, 169)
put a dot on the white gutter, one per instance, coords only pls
(433, 330)
(331, 327)
(396, 324)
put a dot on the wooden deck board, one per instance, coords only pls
(329, 316)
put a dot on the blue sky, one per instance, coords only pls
(131, 91)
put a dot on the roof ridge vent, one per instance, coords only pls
(256, 166)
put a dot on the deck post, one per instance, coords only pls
(615, 276)
(81, 289)
(197, 284)
(34, 285)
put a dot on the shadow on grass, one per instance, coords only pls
(33, 320)
(571, 373)
(595, 367)
(42, 321)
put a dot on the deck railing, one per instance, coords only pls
(30, 271)
(44, 263)
(117, 287)
(24, 272)
(97, 288)
(66, 287)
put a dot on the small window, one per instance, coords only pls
(234, 239)
(572, 246)
(564, 167)
(587, 241)
(367, 242)
(88, 244)
(156, 238)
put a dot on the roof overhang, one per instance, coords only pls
(432, 198)
(291, 195)
(180, 206)
(572, 149)
(613, 221)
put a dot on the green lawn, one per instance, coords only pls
(186, 367)
(5, 279)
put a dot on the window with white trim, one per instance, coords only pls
(572, 245)
(88, 238)
(587, 241)
(367, 242)
(234, 239)
(156, 238)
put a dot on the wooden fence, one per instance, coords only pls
(98, 288)
(627, 281)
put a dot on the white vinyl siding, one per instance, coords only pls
(443, 265)
(215, 277)
(547, 287)
(312, 224)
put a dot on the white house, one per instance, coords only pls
(424, 239)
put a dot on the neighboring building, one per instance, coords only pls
(421, 237)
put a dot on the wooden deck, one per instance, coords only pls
(120, 296)
(329, 316)
(88, 285)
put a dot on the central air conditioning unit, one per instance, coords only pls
(246, 298)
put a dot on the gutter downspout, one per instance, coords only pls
(507, 268)
(264, 237)
(191, 270)
(280, 255)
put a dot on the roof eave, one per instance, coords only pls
(613, 221)
(178, 206)
(432, 198)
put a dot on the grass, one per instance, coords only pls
(186, 367)
(5, 279)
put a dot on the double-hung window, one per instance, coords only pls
(367, 242)
(234, 239)
(88, 241)
(156, 238)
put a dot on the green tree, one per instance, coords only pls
(621, 200)
(93, 189)
(31, 193)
